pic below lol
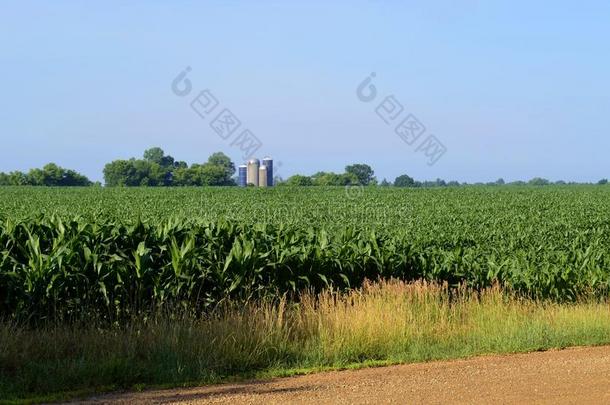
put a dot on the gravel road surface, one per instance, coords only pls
(578, 375)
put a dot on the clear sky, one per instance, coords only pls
(512, 89)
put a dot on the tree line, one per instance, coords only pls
(50, 175)
(156, 169)
(362, 174)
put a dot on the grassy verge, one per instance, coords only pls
(383, 323)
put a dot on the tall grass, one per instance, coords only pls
(384, 322)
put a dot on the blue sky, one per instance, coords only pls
(512, 89)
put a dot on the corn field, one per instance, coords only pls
(112, 253)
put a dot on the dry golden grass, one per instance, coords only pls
(383, 322)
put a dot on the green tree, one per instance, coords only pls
(299, 180)
(15, 178)
(214, 175)
(121, 173)
(183, 176)
(52, 175)
(538, 181)
(333, 179)
(363, 172)
(18, 178)
(158, 156)
(222, 160)
(404, 180)
(158, 169)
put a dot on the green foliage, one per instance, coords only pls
(299, 180)
(364, 173)
(404, 181)
(328, 179)
(207, 174)
(51, 175)
(354, 174)
(134, 172)
(333, 179)
(538, 181)
(221, 160)
(158, 156)
(14, 179)
(158, 169)
(110, 252)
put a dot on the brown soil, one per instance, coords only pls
(579, 375)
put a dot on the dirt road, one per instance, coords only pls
(579, 375)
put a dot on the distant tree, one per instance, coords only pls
(333, 179)
(158, 169)
(209, 174)
(159, 175)
(180, 165)
(222, 160)
(539, 181)
(18, 178)
(52, 175)
(14, 179)
(453, 183)
(500, 181)
(385, 183)
(206, 174)
(157, 155)
(183, 176)
(560, 182)
(404, 181)
(602, 182)
(363, 172)
(299, 180)
(121, 173)
(214, 175)
(134, 172)
(434, 183)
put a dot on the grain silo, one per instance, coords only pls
(268, 162)
(262, 176)
(253, 165)
(242, 178)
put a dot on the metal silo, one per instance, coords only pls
(268, 162)
(262, 176)
(253, 165)
(242, 178)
